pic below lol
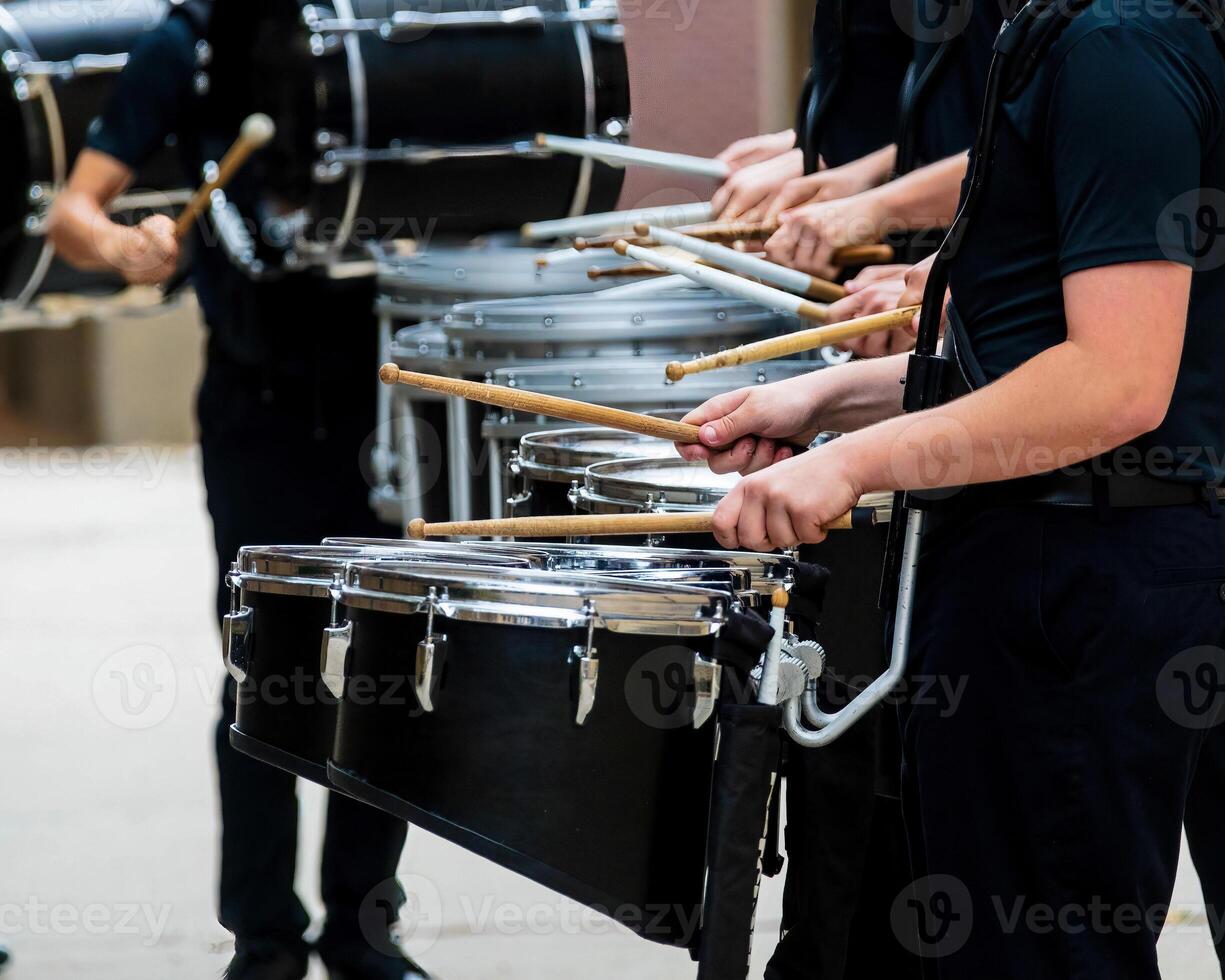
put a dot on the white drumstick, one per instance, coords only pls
(618, 155)
(651, 287)
(747, 264)
(727, 282)
(667, 216)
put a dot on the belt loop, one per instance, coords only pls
(1101, 496)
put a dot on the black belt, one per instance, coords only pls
(1086, 489)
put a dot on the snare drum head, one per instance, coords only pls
(430, 283)
(563, 455)
(636, 484)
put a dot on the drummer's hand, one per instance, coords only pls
(916, 284)
(875, 297)
(746, 194)
(810, 234)
(754, 149)
(876, 273)
(147, 253)
(788, 505)
(747, 430)
(825, 185)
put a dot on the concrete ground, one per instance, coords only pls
(108, 822)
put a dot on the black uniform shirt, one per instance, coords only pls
(1113, 153)
(947, 110)
(859, 47)
(249, 322)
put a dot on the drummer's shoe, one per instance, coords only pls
(363, 962)
(268, 962)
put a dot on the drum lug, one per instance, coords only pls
(588, 668)
(334, 653)
(236, 631)
(707, 677)
(334, 657)
(431, 656)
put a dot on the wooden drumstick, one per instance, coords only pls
(794, 343)
(256, 132)
(727, 282)
(666, 215)
(745, 264)
(736, 231)
(621, 155)
(635, 269)
(533, 403)
(582, 525)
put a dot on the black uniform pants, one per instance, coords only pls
(1046, 797)
(847, 861)
(281, 453)
(1205, 826)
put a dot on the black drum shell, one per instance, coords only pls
(612, 814)
(461, 86)
(285, 715)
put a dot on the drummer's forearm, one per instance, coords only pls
(79, 226)
(83, 233)
(925, 198)
(861, 393)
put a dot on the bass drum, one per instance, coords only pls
(400, 119)
(61, 60)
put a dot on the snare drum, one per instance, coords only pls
(281, 609)
(409, 119)
(557, 724)
(422, 288)
(545, 338)
(549, 464)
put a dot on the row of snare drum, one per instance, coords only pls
(549, 707)
(492, 313)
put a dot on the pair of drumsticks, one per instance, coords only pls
(535, 403)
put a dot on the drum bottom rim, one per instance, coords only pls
(271, 754)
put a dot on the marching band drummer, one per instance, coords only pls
(939, 117)
(1073, 600)
(859, 57)
(284, 406)
(846, 841)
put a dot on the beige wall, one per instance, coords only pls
(704, 73)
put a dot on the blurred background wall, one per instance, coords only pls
(702, 73)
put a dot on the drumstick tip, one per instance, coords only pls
(642, 229)
(542, 261)
(389, 374)
(542, 140)
(675, 371)
(594, 272)
(416, 529)
(580, 244)
(258, 129)
(621, 246)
